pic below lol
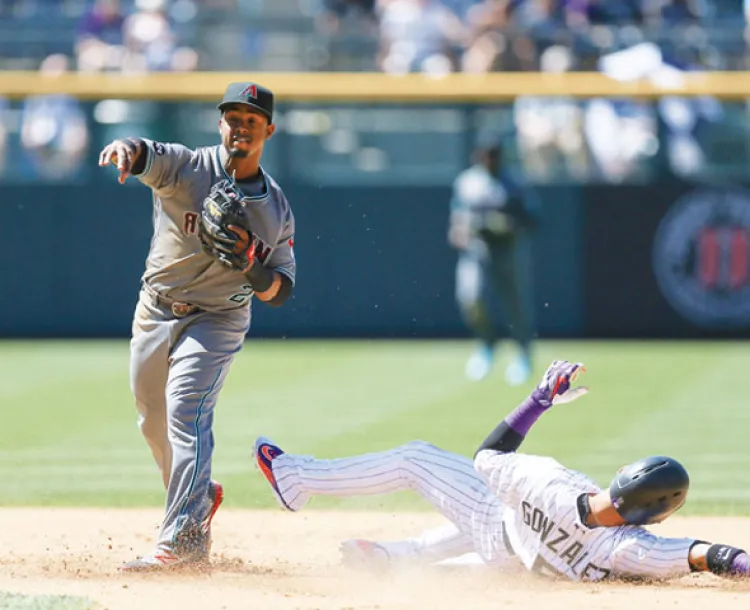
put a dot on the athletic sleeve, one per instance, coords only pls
(643, 554)
(163, 164)
(282, 258)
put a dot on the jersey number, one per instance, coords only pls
(243, 296)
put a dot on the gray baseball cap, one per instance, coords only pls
(250, 94)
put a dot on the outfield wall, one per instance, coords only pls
(373, 262)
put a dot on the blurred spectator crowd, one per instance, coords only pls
(509, 35)
(390, 35)
(590, 139)
(95, 35)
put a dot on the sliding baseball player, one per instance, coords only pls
(516, 510)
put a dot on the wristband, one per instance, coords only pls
(719, 558)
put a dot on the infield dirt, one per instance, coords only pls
(283, 561)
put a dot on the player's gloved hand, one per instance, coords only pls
(555, 387)
(496, 222)
(224, 230)
(235, 249)
(741, 565)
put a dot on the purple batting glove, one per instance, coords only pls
(555, 387)
(741, 565)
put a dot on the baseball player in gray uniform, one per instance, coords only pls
(193, 310)
(515, 511)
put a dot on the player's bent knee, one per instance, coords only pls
(151, 425)
(147, 401)
(148, 395)
(407, 455)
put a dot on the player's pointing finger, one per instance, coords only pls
(124, 162)
(123, 157)
(105, 155)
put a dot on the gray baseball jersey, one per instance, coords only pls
(179, 364)
(177, 267)
(544, 527)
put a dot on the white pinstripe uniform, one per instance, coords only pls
(510, 509)
(543, 524)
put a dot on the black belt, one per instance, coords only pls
(179, 309)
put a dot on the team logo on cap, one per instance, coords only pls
(250, 91)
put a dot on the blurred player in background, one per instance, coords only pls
(515, 511)
(490, 223)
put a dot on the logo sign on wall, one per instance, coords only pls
(701, 257)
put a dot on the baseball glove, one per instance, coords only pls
(224, 229)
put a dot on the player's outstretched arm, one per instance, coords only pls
(721, 559)
(642, 554)
(554, 388)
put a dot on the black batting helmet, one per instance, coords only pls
(649, 490)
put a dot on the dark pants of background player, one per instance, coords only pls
(504, 267)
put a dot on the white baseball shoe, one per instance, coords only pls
(480, 363)
(518, 371)
(364, 555)
(163, 560)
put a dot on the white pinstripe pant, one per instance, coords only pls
(446, 480)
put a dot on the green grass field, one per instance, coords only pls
(70, 437)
